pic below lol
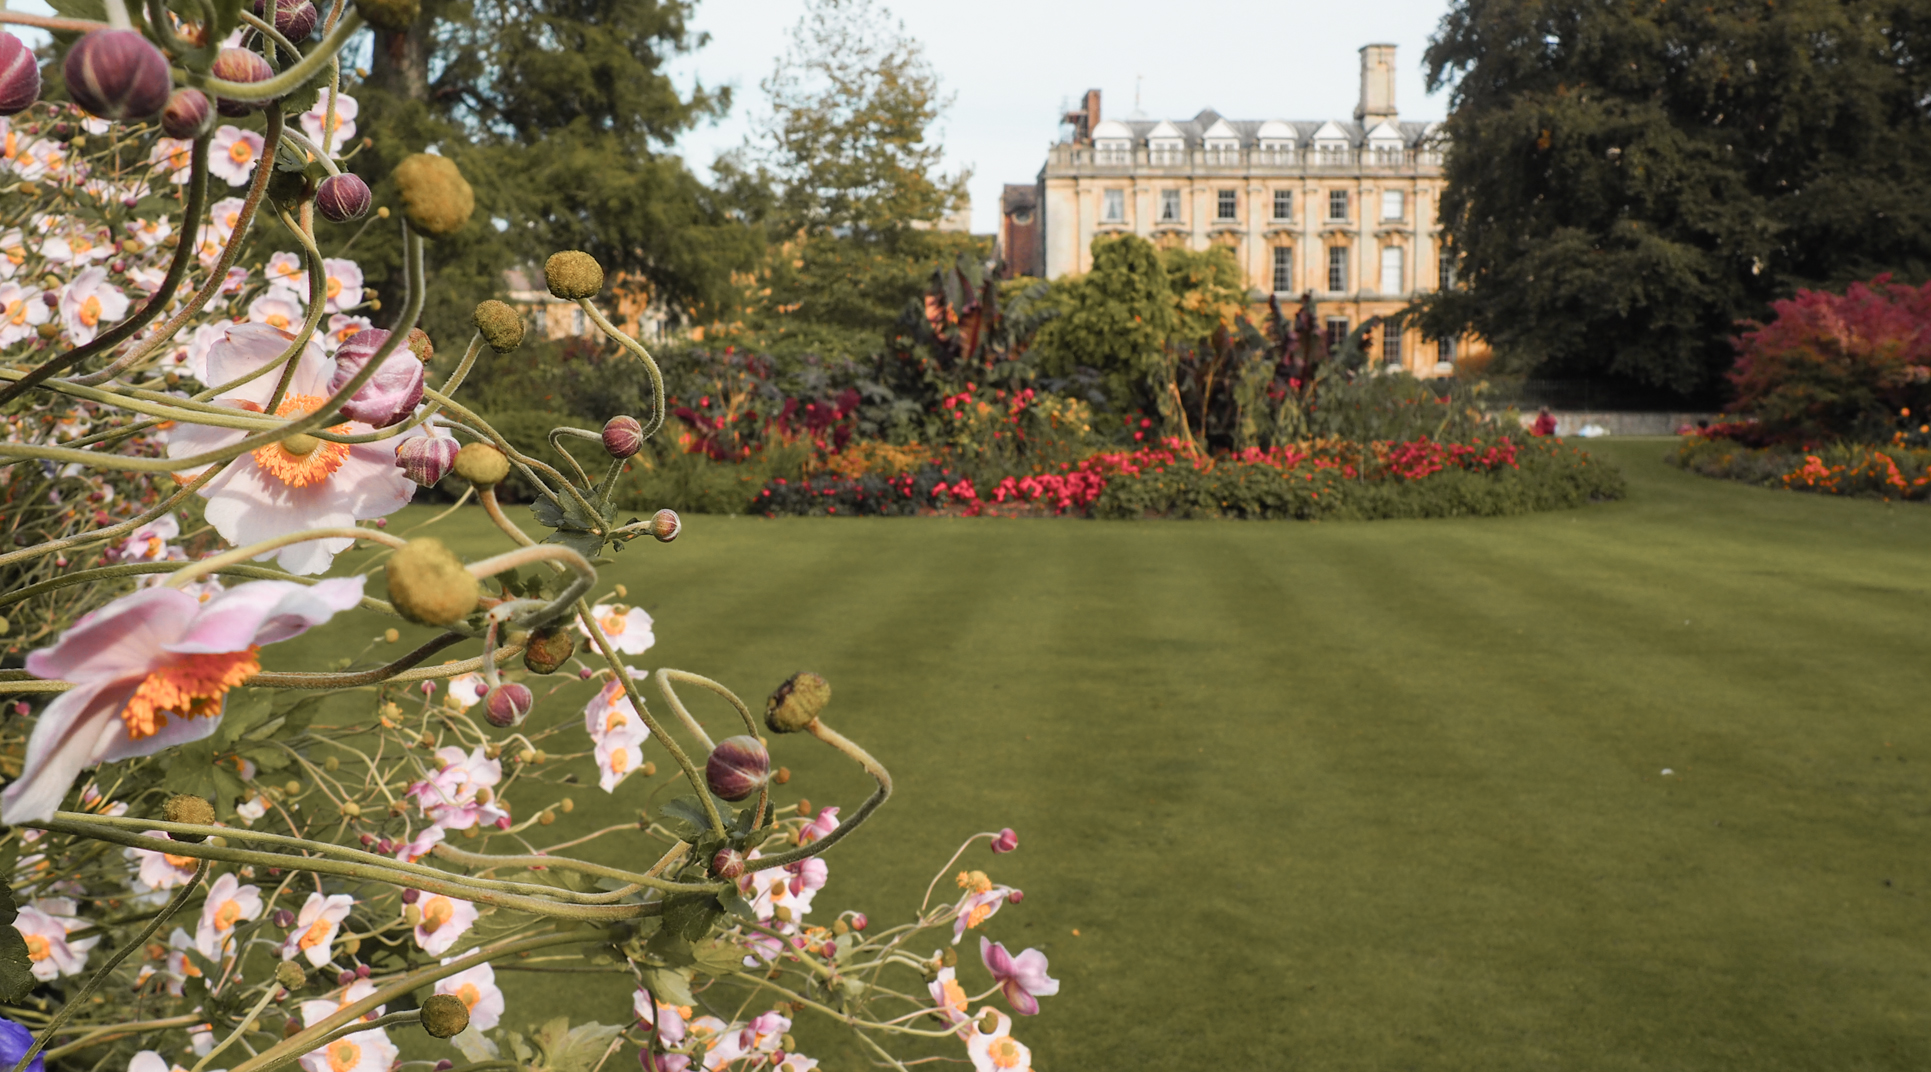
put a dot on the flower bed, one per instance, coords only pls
(1318, 479)
(1898, 470)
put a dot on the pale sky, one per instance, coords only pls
(1012, 64)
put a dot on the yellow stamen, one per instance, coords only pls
(90, 311)
(293, 461)
(189, 687)
(38, 948)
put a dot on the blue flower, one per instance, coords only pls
(15, 1041)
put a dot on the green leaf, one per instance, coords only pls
(670, 947)
(691, 914)
(227, 16)
(198, 769)
(16, 968)
(719, 958)
(670, 986)
(572, 1049)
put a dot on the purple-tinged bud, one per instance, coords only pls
(859, 922)
(427, 459)
(623, 436)
(738, 767)
(188, 115)
(411, 896)
(665, 525)
(508, 704)
(830, 950)
(363, 971)
(728, 863)
(344, 978)
(19, 76)
(117, 74)
(284, 918)
(342, 198)
(295, 19)
(391, 394)
(240, 65)
(445, 1065)
(1015, 896)
(367, 840)
(586, 674)
(1006, 841)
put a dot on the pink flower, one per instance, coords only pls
(1023, 978)
(825, 823)
(629, 628)
(1006, 842)
(997, 1050)
(342, 285)
(45, 924)
(233, 153)
(453, 797)
(89, 300)
(149, 543)
(290, 486)
(476, 989)
(316, 927)
(21, 311)
(159, 870)
(285, 269)
(807, 875)
(669, 1019)
(611, 720)
(950, 998)
(315, 119)
(981, 902)
(466, 690)
(228, 902)
(144, 657)
(279, 308)
(342, 329)
(391, 394)
(418, 847)
(444, 919)
(175, 155)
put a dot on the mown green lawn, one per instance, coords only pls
(1390, 795)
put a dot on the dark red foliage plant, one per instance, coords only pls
(1851, 366)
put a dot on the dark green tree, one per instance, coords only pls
(561, 115)
(1627, 179)
(1115, 320)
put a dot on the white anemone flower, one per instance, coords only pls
(233, 153)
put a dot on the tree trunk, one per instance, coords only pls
(400, 61)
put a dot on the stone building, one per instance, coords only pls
(1342, 209)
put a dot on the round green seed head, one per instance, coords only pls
(796, 703)
(444, 1015)
(182, 808)
(502, 328)
(573, 274)
(428, 584)
(435, 196)
(482, 465)
(291, 975)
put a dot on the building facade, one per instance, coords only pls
(1344, 210)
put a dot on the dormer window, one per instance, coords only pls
(1166, 145)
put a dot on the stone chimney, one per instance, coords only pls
(1377, 84)
(1084, 120)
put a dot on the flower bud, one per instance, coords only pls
(117, 74)
(342, 198)
(781, 776)
(240, 65)
(19, 76)
(411, 896)
(508, 704)
(989, 1022)
(428, 584)
(418, 344)
(665, 525)
(728, 863)
(859, 922)
(182, 808)
(394, 16)
(623, 436)
(738, 767)
(796, 702)
(573, 274)
(482, 465)
(391, 394)
(444, 1015)
(502, 326)
(435, 196)
(548, 649)
(188, 114)
(426, 459)
(1015, 896)
(283, 918)
(295, 19)
(344, 978)
(1005, 842)
(290, 975)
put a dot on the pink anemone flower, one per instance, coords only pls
(1022, 979)
(302, 482)
(144, 657)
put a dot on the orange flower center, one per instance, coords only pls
(334, 286)
(179, 863)
(955, 995)
(469, 995)
(90, 311)
(615, 720)
(436, 913)
(613, 625)
(1004, 1052)
(17, 313)
(38, 948)
(344, 1055)
(278, 320)
(299, 461)
(620, 760)
(318, 933)
(189, 687)
(241, 152)
(226, 915)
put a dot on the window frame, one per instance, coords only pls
(1283, 199)
(1226, 206)
(1390, 347)
(1337, 269)
(1338, 198)
(1336, 329)
(1110, 199)
(1400, 198)
(1283, 270)
(1400, 255)
(1176, 200)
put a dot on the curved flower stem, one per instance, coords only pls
(842, 1017)
(487, 861)
(818, 729)
(309, 422)
(363, 677)
(48, 22)
(543, 552)
(454, 421)
(314, 151)
(496, 438)
(243, 554)
(106, 534)
(293, 77)
(119, 333)
(348, 680)
(118, 1031)
(268, 995)
(656, 728)
(487, 496)
(557, 434)
(963, 846)
(650, 364)
(317, 282)
(138, 569)
(190, 230)
(744, 712)
(677, 705)
(94, 981)
(394, 1019)
(268, 30)
(553, 902)
(303, 1042)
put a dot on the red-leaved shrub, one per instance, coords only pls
(1830, 366)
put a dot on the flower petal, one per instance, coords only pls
(121, 640)
(265, 612)
(71, 735)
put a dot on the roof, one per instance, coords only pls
(1250, 131)
(1016, 196)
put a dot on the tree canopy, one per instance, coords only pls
(1628, 179)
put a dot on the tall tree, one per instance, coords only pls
(562, 116)
(847, 149)
(1629, 178)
